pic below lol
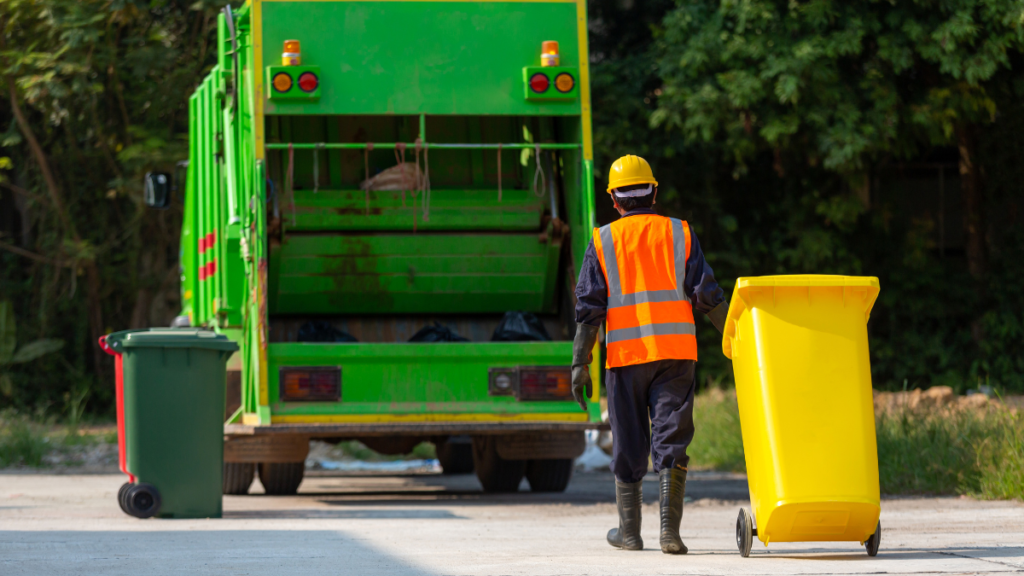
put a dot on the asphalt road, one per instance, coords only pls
(433, 525)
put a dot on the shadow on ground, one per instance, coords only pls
(195, 551)
(399, 514)
(584, 489)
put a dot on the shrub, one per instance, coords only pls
(22, 442)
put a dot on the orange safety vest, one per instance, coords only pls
(650, 318)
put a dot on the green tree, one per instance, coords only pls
(95, 93)
(11, 353)
(801, 110)
(844, 85)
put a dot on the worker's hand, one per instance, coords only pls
(718, 315)
(582, 385)
(582, 356)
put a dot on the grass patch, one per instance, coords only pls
(22, 441)
(974, 452)
(978, 453)
(38, 442)
(717, 443)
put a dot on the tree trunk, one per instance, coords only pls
(57, 198)
(140, 314)
(970, 191)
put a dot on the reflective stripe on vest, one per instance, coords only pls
(645, 325)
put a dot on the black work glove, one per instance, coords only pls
(582, 385)
(582, 347)
(718, 315)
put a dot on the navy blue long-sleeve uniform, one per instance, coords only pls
(650, 405)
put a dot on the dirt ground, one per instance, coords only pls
(433, 525)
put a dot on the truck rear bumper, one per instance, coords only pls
(354, 430)
(420, 383)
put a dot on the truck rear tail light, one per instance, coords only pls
(539, 83)
(308, 82)
(545, 383)
(282, 82)
(314, 383)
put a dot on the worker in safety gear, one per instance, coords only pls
(643, 275)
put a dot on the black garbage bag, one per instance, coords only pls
(435, 332)
(322, 331)
(520, 327)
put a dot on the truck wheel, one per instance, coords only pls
(238, 477)
(142, 500)
(494, 472)
(281, 479)
(549, 475)
(456, 455)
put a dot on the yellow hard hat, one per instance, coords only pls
(630, 170)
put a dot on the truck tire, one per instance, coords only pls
(549, 475)
(281, 479)
(238, 477)
(494, 472)
(455, 455)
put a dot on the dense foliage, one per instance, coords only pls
(786, 130)
(95, 93)
(774, 126)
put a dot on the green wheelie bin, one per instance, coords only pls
(170, 419)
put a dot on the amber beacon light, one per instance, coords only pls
(549, 53)
(292, 55)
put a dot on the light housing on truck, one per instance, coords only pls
(544, 383)
(539, 80)
(310, 383)
(293, 83)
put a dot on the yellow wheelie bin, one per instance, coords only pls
(799, 350)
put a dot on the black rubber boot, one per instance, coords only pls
(629, 498)
(673, 487)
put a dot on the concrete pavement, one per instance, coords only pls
(435, 525)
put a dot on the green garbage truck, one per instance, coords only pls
(377, 194)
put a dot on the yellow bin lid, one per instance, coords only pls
(866, 287)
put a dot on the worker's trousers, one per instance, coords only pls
(651, 411)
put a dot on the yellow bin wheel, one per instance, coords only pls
(744, 533)
(871, 544)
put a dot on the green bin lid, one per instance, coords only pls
(171, 338)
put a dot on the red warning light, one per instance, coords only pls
(539, 83)
(308, 82)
